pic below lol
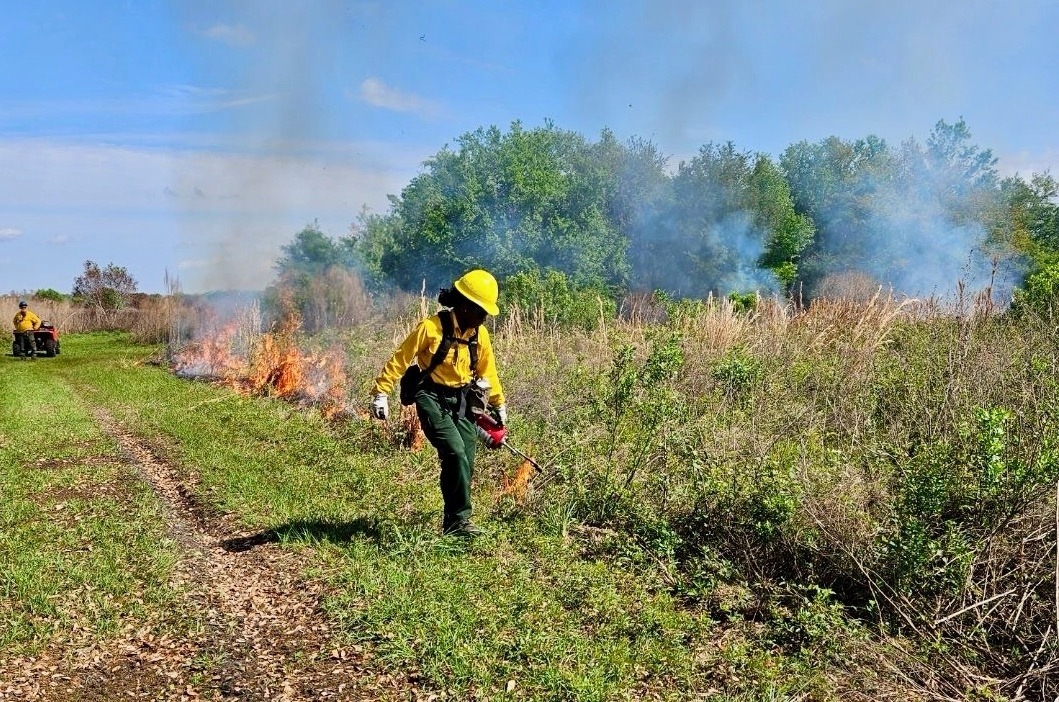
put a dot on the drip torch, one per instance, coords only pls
(494, 435)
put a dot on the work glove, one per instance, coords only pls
(500, 412)
(380, 406)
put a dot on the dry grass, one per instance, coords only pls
(64, 315)
(862, 411)
(149, 318)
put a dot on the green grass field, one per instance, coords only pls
(716, 523)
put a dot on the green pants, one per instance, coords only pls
(454, 436)
(25, 343)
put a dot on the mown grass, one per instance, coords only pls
(773, 505)
(83, 544)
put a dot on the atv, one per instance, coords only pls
(45, 341)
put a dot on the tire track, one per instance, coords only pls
(259, 633)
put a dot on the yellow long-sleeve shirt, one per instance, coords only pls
(25, 320)
(454, 371)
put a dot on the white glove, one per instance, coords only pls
(501, 414)
(380, 406)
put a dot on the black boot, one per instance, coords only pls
(464, 528)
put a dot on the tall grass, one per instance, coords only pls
(150, 319)
(894, 459)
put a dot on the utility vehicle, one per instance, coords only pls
(45, 341)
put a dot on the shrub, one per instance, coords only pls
(1040, 292)
(743, 302)
(737, 372)
(49, 294)
(551, 298)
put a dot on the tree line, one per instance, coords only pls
(548, 209)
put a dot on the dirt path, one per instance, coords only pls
(262, 634)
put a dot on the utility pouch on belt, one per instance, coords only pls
(478, 396)
(411, 381)
(414, 378)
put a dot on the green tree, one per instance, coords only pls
(1027, 216)
(913, 218)
(105, 289)
(640, 206)
(730, 213)
(312, 252)
(1026, 220)
(789, 233)
(49, 294)
(317, 276)
(371, 236)
(964, 176)
(837, 185)
(511, 202)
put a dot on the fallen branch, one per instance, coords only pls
(1036, 658)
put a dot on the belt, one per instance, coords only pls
(450, 393)
(446, 390)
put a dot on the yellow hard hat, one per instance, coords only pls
(479, 287)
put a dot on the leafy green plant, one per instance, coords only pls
(743, 302)
(807, 620)
(553, 297)
(737, 372)
(679, 310)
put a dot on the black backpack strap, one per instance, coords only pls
(448, 338)
(472, 346)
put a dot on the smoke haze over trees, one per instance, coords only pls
(618, 217)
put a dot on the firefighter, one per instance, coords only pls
(25, 324)
(446, 391)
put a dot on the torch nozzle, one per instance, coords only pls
(519, 453)
(495, 435)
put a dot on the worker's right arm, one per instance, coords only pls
(402, 358)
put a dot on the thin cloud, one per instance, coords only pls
(174, 100)
(200, 99)
(9, 233)
(377, 94)
(231, 34)
(1025, 163)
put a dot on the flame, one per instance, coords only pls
(268, 364)
(413, 436)
(518, 486)
(275, 367)
(210, 357)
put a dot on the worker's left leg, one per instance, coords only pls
(454, 438)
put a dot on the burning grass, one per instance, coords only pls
(412, 429)
(518, 485)
(268, 364)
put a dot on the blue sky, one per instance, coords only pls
(193, 138)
